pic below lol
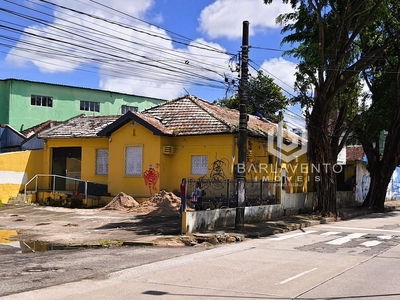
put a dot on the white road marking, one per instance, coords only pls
(296, 276)
(385, 237)
(364, 229)
(289, 236)
(331, 233)
(370, 243)
(345, 239)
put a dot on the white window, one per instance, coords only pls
(199, 164)
(89, 106)
(133, 160)
(126, 108)
(102, 161)
(41, 100)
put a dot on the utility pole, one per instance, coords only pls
(242, 140)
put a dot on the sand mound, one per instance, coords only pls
(122, 202)
(161, 204)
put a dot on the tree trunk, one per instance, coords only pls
(382, 168)
(377, 193)
(322, 159)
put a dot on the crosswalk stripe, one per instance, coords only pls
(345, 239)
(370, 243)
(331, 233)
(289, 236)
(385, 237)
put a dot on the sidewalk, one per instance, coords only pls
(100, 228)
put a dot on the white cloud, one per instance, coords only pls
(134, 58)
(224, 18)
(283, 72)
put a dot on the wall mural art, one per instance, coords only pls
(151, 177)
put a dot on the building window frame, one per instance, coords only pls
(126, 108)
(89, 106)
(38, 100)
(134, 161)
(102, 161)
(199, 164)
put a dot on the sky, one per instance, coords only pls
(157, 48)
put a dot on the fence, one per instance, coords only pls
(223, 193)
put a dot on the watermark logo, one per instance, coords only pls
(286, 149)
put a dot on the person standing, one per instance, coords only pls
(197, 196)
(183, 195)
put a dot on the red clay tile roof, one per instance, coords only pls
(29, 132)
(354, 153)
(80, 126)
(190, 115)
(187, 115)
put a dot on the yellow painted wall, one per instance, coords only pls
(297, 175)
(263, 165)
(164, 171)
(135, 136)
(220, 150)
(88, 161)
(16, 169)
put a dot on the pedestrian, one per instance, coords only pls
(197, 195)
(183, 195)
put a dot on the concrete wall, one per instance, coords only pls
(9, 138)
(220, 218)
(346, 198)
(16, 169)
(292, 204)
(20, 114)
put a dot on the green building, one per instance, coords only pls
(24, 104)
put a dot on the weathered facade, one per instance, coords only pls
(142, 153)
(26, 103)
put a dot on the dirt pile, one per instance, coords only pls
(121, 202)
(161, 204)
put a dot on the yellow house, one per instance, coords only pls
(142, 153)
(192, 138)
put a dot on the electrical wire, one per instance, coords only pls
(172, 64)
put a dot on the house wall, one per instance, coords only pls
(4, 101)
(33, 143)
(66, 102)
(136, 186)
(88, 159)
(16, 169)
(9, 138)
(263, 165)
(219, 149)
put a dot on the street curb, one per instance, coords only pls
(138, 243)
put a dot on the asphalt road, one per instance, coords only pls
(355, 259)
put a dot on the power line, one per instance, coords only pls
(113, 62)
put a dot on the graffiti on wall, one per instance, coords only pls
(216, 178)
(396, 184)
(365, 183)
(151, 177)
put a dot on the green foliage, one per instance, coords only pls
(334, 41)
(264, 97)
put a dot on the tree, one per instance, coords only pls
(264, 98)
(383, 115)
(327, 33)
